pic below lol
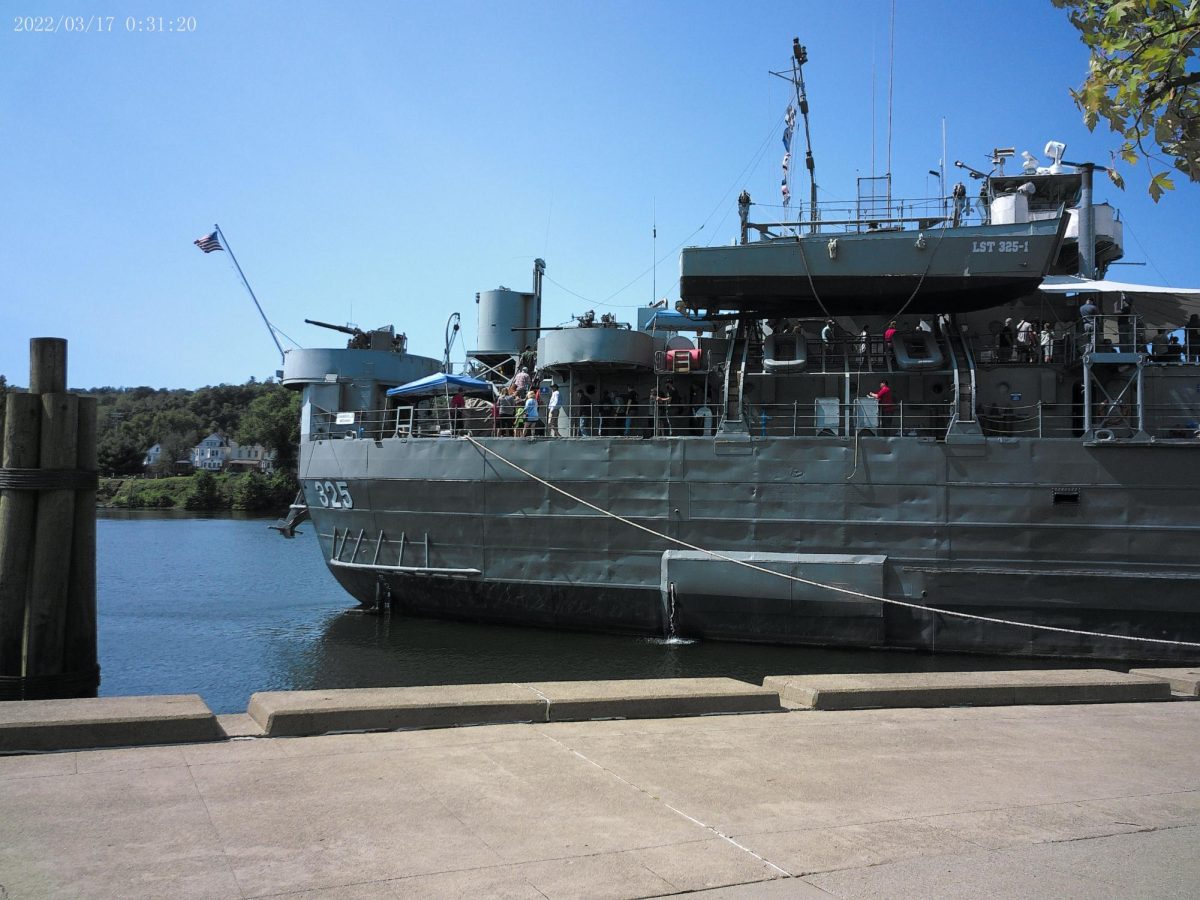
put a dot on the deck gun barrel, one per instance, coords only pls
(344, 329)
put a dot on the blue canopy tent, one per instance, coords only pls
(441, 383)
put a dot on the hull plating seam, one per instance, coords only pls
(406, 570)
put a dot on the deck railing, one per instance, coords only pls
(820, 417)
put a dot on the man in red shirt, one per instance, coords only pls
(887, 406)
(889, 336)
(458, 403)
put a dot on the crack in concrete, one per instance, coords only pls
(216, 832)
(710, 828)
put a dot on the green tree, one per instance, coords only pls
(273, 420)
(118, 453)
(1143, 80)
(250, 492)
(204, 493)
(175, 446)
(283, 486)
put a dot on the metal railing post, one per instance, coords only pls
(1141, 400)
(1087, 392)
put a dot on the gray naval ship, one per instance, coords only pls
(942, 430)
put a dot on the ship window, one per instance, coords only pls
(1066, 495)
(916, 347)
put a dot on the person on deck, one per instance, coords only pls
(1158, 346)
(666, 398)
(1123, 309)
(828, 342)
(630, 402)
(1025, 340)
(959, 196)
(552, 410)
(1087, 314)
(583, 409)
(458, 405)
(507, 406)
(889, 335)
(531, 415)
(1004, 341)
(528, 359)
(887, 406)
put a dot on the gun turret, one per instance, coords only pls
(384, 338)
(359, 339)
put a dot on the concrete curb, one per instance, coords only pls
(38, 725)
(1184, 681)
(295, 713)
(932, 689)
(661, 698)
(47, 725)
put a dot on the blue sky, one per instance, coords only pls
(381, 163)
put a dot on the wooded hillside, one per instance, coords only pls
(132, 419)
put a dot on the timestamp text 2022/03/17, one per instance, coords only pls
(99, 24)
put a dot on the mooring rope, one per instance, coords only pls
(829, 587)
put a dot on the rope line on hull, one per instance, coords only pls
(817, 584)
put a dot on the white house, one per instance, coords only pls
(253, 456)
(152, 456)
(211, 453)
(218, 453)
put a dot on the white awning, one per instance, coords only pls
(1070, 284)
(1156, 305)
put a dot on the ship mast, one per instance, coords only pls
(796, 77)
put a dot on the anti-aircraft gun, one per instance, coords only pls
(382, 338)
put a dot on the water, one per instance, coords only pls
(223, 607)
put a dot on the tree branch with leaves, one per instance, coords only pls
(1144, 81)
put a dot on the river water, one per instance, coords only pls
(224, 607)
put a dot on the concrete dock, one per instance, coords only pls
(1026, 801)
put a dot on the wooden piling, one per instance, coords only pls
(80, 644)
(55, 525)
(22, 435)
(48, 535)
(47, 366)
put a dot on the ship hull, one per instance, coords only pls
(439, 527)
(873, 273)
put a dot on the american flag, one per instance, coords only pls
(208, 243)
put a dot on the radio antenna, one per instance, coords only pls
(891, 85)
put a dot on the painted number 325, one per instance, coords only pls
(334, 494)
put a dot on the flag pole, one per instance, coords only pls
(257, 305)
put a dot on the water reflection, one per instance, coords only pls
(364, 650)
(223, 607)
